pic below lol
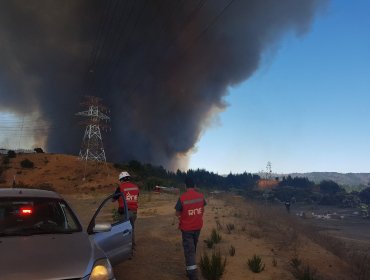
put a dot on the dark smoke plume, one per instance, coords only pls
(161, 66)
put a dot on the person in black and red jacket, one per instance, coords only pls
(131, 193)
(189, 210)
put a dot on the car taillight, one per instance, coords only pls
(26, 211)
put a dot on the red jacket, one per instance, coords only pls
(192, 203)
(131, 193)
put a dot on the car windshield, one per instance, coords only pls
(30, 216)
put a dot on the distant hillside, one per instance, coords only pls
(348, 179)
(62, 173)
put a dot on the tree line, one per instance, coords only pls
(296, 189)
(151, 176)
(299, 189)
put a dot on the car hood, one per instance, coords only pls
(56, 256)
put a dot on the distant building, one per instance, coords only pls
(267, 183)
(159, 189)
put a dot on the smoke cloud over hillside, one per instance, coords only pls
(162, 67)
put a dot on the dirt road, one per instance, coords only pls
(158, 254)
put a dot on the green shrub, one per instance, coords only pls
(39, 150)
(115, 215)
(11, 154)
(209, 243)
(26, 163)
(295, 263)
(305, 273)
(302, 272)
(214, 267)
(213, 239)
(215, 236)
(255, 264)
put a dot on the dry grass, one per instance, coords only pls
(67, 174)
(360, 264)
(258, 227)
(286, 233)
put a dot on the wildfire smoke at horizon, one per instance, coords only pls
(162, 67)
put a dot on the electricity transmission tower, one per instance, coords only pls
(268, 170)
(92, 143)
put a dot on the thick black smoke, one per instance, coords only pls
(161, 66)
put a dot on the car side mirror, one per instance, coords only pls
(103, 227)
(107, 215)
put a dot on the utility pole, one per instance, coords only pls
(92, 143)
(20, 135)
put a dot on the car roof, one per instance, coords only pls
(21, 192)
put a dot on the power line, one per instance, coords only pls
(20, 135)
(117, 40)
(213, 21)
(124, 44)
(188, 20)
(105, 19)
(191, 44)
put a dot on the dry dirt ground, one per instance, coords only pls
(159, 252)
(265, 231)
(63, 173)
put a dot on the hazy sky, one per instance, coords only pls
(306, 109)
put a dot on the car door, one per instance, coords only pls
(111, 230)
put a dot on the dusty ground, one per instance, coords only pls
(261, 230)
(63, 173)
(159, 252)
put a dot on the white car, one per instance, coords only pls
(41, 238)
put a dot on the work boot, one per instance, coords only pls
(192, 274)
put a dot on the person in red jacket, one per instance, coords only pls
(131, 193)
(189, 210)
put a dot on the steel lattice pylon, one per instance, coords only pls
(92, 144)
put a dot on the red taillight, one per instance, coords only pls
(26, 211)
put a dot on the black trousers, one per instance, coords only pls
(189, 242)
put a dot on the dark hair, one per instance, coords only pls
(125, 179)
(189, 182)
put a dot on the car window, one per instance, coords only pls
(29, 216)
(110, 213)
(70, 221)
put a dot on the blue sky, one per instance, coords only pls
(306, 109)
